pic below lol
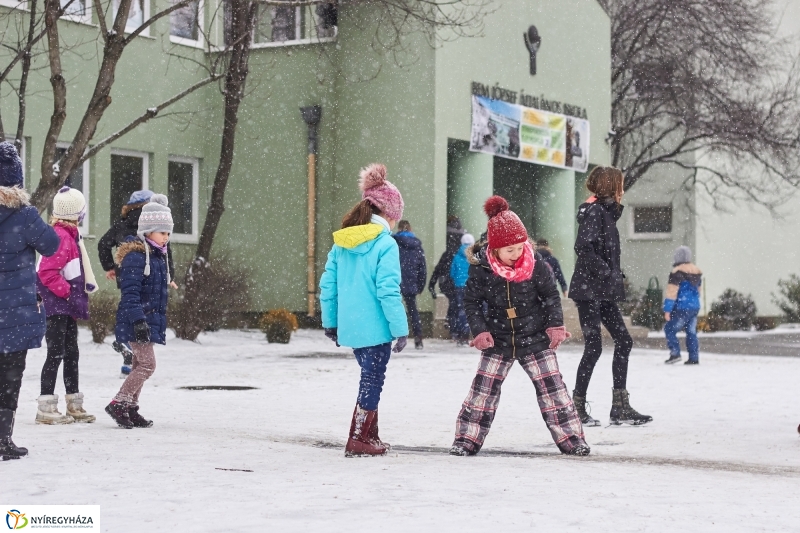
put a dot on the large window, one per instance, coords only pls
(18, 4)
(182, 177)
(78, 10)
(279, 25)
(651, 222)
(137, 14)
(129, 173)
(185, 24)
(79, 179)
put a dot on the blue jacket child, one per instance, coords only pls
(681, 306)
(362, 306)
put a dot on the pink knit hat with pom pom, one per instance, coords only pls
(380, 192)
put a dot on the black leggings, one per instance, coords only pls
(62, 343)
(591, 314)
(12, 365)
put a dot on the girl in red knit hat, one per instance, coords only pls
(524, 322)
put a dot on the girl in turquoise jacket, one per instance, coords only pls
(362, 307)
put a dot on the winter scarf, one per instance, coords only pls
(521, 271)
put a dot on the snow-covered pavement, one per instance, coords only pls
(721, 455)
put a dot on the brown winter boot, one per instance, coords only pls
(373, 434)
(359, 443)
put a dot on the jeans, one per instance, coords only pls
(683, 320)
(592, 314)
(62, 344)
(459, 329)
(413, 313)
(12, 365)
(373, 361)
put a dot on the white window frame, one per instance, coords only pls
(84, 227)
(193, 237)
(11, 139)
(86, 18)
(200, 42)
(14, 4)
(145, 17)
(632, 235)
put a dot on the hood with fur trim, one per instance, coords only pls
(128, 247)
(12, 199)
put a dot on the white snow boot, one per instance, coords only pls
(48, 413)
(75, 408)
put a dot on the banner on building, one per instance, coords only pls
(527, 134)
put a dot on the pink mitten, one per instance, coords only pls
(557, 336)
(484, 341)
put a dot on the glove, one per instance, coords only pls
(142, 331)
(400, 344)
(332, 334)
(484, 341)
(557, 336)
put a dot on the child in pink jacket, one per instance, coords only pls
(65, 281)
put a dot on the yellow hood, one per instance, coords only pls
(354, 236)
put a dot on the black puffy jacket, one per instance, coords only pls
(412, 263)
(598, 274)
(536, 304)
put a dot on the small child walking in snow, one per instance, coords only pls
(362, 307)
(64, 282)
(142, 312)
(459, 273)
(524, 322)
(681, 306)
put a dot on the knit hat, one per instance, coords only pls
(156, 216)
(380, 192)
(505, 227)
(683, 254)
(467, 238)
(69, 204)
(10, 166)
(140, 196)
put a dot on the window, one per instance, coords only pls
(129, 173)
(651, 222)
(279, 25)
(137, 14)
(182, 178)
(17, 4)
(21, 156)
(78, 10)
(185, 24)
(79, 179)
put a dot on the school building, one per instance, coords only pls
(522, 110)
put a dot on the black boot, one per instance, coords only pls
(418, 343)
(623, 413)
(583, 414)
(9, 450)
(119, 412)
(138, 420)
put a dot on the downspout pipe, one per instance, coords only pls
(311, 116)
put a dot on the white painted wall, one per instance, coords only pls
(749, 250)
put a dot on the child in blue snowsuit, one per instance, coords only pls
(459, 273)
(681, 306)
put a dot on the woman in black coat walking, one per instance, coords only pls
(596, 287)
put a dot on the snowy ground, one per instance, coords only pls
(722, 454)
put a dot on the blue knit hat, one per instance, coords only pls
(10, 166)
(140, 196)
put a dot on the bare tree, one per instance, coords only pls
(708, 87)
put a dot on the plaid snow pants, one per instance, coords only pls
(555, 404)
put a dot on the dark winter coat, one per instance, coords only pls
(143, 297)
(22, 234)
(412, 263)
(61, 278)
(598, 274)
(441, 272)
(536, 303)
(551, 260)
(123, 227)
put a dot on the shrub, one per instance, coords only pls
(789, 302)
(278, 324)
(732, 311)
(103, 314)
(223, 292)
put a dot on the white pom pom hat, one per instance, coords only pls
(69, 204)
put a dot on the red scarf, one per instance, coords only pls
(522, 269)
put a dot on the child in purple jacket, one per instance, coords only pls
(64, 283)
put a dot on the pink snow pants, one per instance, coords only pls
(144, 364)
(477, 412)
